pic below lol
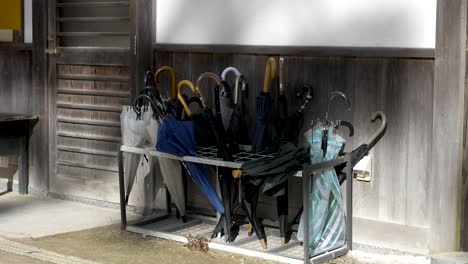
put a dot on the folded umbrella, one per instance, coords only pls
(237, 129)
(177, 138)
(263, 104)
(214, 121)
(327, 217)
(133, 135)
(282, 201)
(260, 143)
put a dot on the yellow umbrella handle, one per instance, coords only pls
(173, 79)
(270, 74)
(209, 75)
(181, 98)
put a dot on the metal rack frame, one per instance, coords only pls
(208, 156)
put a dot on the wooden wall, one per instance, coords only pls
(18, 95)
(15, 81)
(403, 88)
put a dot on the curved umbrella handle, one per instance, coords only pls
(209, 75)
(228, 70)
(270, 74)
(240, 78)
(309, 92)
(332, 96)
(380, 132)
(173, 79)
(181, 98)
(137, 108)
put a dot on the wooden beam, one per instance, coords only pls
(299, 50)
(39, 172)
(449, 77)
(464, 182)
(142, 35)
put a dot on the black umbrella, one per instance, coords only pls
(219, 135)
(237, 130)
(282, 201)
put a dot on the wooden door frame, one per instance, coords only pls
(143, 34)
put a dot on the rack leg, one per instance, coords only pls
(123, 205)
(349, 204)
(306, 197)
(168, 202)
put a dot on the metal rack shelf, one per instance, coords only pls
(169, 227)
(206, 155)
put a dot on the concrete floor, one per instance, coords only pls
(92, 233)
(28, 216)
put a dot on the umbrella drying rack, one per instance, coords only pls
(168, 227)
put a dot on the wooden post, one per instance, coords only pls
(39, 142)
(141, 42)
(449, 77)
(464, 185)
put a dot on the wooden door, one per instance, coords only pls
(89, 81)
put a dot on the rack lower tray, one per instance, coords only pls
(168, 227)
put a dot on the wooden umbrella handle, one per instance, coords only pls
(181, 98)
(236, 174)
(208, 75)
(270, 74)
(173, 79)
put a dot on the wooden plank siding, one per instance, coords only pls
(87, 129)
(464, 180)
(402, 88)
(447, 130)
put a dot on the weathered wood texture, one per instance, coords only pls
(403, 88)
(446, 165)
(87, 129)
(17, 96)
(464, 181)
(39, 143)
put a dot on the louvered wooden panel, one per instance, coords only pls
(88, 101)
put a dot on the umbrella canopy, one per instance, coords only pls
(260, 143)
(263, 103)
(133, 135)
(215, 125)
(171, 171)
(177, 138)
(327, 216)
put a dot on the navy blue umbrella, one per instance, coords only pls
(260, 142)
(177, 138)
(263, 102)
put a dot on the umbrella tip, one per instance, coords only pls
(283, 241)
(264, 243)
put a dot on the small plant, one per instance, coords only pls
(197, 243)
